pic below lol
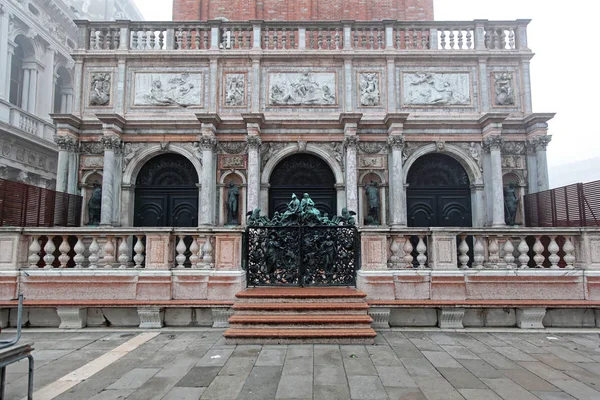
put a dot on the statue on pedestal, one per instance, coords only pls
(372, 192)
(95, 204)
(511, 204)
(232, 204)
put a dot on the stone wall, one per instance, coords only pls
(302, 10)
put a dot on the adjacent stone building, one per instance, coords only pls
(36, 70)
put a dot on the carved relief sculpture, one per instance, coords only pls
(235, 90)
(424, 88)
(302, 89)
(369, 89)
(503, 87)
(168, 89)
(100, 89)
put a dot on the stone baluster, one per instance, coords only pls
(523, 249)
(94, 254)
(123, 252)
(493, 252)
(64, 248)
(207, 249)
(79, 249)
(569, 258)
(34, 252)
(194, 250)
(554, 258)
(463, 249)
(395, 257)
(509, 258)
(49, 248)
(408, 249)
(109, 253)
(180, 248)
(139, 252)
(538, 249)
(421, 249)
(478, 253)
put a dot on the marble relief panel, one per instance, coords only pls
(302, 89)
(234, 89)
(436, 88)
(369, 89)
(168, 89)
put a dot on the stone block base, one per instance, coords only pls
(381, 318)
(530, 318)
(221, 317)
(4, 313)
(570, 318)
(203, 317)
(451, 318)
(151, 317)
(72, 317)
(421, 317)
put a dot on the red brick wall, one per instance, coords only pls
(302, 10)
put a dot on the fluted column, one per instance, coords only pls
(206, 216)
(112, 145)
(493, 144)
(540, 144)
(254, 143)
(397, 191)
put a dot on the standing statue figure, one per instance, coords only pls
(511, 204)
(372, 192)
(95, 204)
(232, 204)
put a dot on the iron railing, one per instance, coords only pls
(576, 205)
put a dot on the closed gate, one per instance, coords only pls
(302, 255)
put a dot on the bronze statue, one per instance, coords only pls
(372, 192)
(232, 204)
(511, 204)
(95, 205)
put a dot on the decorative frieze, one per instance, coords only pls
(374, 161)
(371, 147)
(369, 89)
(302, 89)
(100, 88)
(514, 148)
(437, 89)
(232, 147)
(235, 90)
(92, 148)
(233, 162)
(168, 89)
(504, 89)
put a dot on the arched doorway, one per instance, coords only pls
(166, 192)
(438, 192)
(299, 174)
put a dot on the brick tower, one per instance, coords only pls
(303, 10)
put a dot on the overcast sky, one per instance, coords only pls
(564, 37)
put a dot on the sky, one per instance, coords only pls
(564, 38)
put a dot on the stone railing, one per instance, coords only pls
(490, 248)
(480, 35)
(28, 122)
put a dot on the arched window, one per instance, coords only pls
(16, 77)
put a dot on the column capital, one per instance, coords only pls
(66, 143)
(111, 142)
(491, 143)
(207, 143)
(350, 141)
(539, 143)
(254, 142)
(396, 142)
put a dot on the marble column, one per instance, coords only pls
(256, 82)
(25, 89)
(33, 80)
(5, 56)
(350, 144)
(208, 181)
(493, 144)
(112, 144)
(541, 143)
(7, 73)
(254, 143)
(64, 143)
(397, 191)
(72, 177)
(348, 92)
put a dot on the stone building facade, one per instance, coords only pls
(36, 39)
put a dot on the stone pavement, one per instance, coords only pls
(196, 364)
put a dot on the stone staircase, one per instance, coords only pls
(278, 315)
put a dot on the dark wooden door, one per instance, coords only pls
(299, 174)
(166, 193)
(438, 193)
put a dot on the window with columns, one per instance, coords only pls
(16, 77)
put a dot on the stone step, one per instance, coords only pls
(300, 308)
(311, 321)
(291, 336)
(289, 295)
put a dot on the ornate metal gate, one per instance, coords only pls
(301, 255)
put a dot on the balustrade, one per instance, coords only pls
(119, 250)
(193, 250)
(220, 35)
(409, 251)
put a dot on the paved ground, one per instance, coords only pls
(194, 364)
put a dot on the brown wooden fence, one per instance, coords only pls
(26, 205)
(575, 205)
